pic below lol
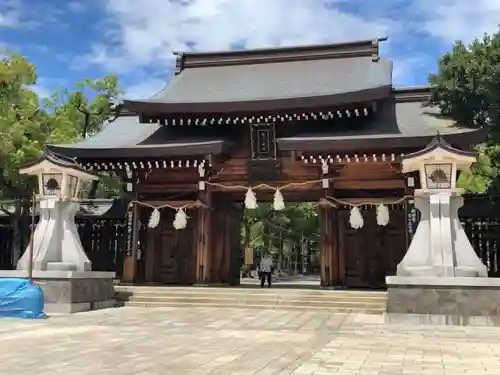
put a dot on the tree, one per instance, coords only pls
(87, 107)
(283, 234)
(467, 88)
(23, 132)
(27, 125)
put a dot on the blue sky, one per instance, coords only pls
(71, 40)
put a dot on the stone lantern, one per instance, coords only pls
(441, 279)
(440, 246)
(60, 264)
(57, 245)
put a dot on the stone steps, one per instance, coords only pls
(370, 302)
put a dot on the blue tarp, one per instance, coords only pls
(20, 298)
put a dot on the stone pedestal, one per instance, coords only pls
(443, 300)
(72, 291)
(56, 246)
(441, 280)
(60, 265)
(440, 246)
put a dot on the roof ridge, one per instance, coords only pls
(411, 94)
(361, 48)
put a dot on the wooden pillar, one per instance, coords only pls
(203, 240)
(130, 259)
(329, 255)
(325, 252)
(235, 252)
(217, 271)
(150, 255)
(340, 246)
(336, 260)
(225, 253)
(329, 250)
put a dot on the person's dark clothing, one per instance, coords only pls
(263, 277)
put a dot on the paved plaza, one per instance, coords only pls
(148, 341)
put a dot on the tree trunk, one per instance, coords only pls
(16, 235)
(20, 230)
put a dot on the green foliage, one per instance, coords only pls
(86, 108)
(23, 124)
(480, 177)
(83, 111)
(283, 234)
(27, 124)
(467, 88)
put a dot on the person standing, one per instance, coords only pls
(266, 270)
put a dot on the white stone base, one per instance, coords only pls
(72, 291)
(37, 274)
(443, 300)
(71, 308)
(443, 281)
(440, 319)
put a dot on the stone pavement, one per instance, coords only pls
(198, 341)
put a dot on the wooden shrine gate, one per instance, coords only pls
(361, 258)
(349, 258)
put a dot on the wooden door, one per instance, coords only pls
(372, 252)
(354, 244)
(172, 256)
(226, 246)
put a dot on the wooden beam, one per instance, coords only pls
(273, 184)
(369, 184)
(168, 188)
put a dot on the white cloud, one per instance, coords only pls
(452, 20)
(27, 15)
(408, 70)
(10, 13)
(9, 19)
(76, 7)
(42, 91)
(45, 87)
(144, 89)
(143, 34)
(4, 50)
(146, 32)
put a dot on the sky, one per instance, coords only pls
(134, 39)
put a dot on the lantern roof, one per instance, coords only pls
(51, 162)
(438, 150)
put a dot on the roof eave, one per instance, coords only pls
(305, 103)
(439, 142)
(56, 158)
(160, 151)
(463, 140)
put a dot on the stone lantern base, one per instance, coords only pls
(72, 291)
(443, 300)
